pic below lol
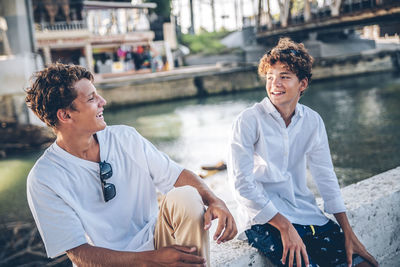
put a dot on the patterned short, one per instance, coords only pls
(325, 244)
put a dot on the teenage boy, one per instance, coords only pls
(93, 191)
(272, 143)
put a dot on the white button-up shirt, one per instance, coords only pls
(267, 166)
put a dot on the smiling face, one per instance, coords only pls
(87, 113)
(284, 87)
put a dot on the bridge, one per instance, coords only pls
(336, 17)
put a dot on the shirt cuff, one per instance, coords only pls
(266, 214)
(334, 205)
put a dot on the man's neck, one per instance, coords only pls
(84, 147)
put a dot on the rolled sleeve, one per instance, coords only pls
(266, 214)
(334, 205)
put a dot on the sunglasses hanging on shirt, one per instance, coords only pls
(108, 189)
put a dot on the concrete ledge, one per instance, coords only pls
(373, 211)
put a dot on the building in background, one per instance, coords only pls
(106, 37)
(17, 58)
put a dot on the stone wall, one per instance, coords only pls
(357, 64)
(231, 81)
(373, 210)
(192, 60)
(207, 81)
(138, 93)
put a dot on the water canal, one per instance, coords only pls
(361, 114)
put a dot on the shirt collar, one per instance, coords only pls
(270, 108)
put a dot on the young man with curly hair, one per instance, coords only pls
(271, 145)
(93, 191)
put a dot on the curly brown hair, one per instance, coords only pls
(294, 55)
(52, 89)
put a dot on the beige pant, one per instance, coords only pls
(181, 221)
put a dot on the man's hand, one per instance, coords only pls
(292, 243)
(87, 255)
(226, 223)
(352, 244)
(176, 256)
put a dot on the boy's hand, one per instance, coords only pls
(293, 245)
(354, 246)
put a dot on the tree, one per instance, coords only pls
(335, 7)
(307, 10)
(269, 17)
(284, 7)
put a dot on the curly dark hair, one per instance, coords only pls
(294, 55)
(52, 89)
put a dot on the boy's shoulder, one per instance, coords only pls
(49, 162)
(309, 113)
(311, 118)
(252, 112)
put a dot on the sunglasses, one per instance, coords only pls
(106, 172)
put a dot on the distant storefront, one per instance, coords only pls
(106, 37)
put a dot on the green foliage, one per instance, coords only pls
(206, 42)
(13, 203)
(297, 7)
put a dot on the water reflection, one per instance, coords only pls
(13, 172)
(362, 117)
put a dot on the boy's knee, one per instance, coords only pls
(185, 201)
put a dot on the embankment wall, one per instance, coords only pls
(373, 210)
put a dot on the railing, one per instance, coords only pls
(61, 26)
(320, 13)
(81, 25)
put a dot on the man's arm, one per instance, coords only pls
(87, 255)
(216, 207)
(291, 241)
(352, 244)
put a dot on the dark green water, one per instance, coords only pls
(362, 117)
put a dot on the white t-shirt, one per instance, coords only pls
(65, 196)
(267, 166)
